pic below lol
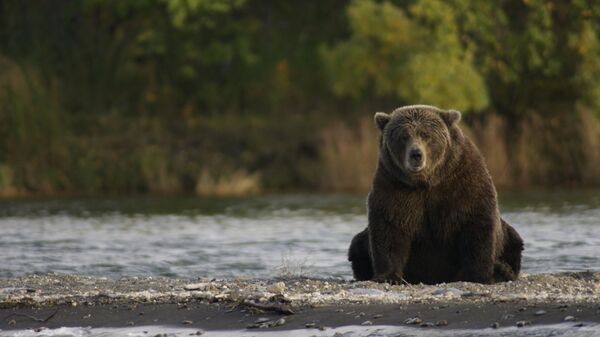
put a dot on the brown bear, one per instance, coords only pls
(432, 211)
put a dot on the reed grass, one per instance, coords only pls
(44, 150)
(349, 156)
(556, 150)
(236, 183)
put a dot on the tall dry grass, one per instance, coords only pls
(33, 141)
(539, 151)
(349, 155)
(561, 149)
(236, 183)
(490, 137)
(591, 147)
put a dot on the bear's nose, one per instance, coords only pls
(416, 155)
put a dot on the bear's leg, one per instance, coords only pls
(503, 272)
(477, 251)
(360, 257)
(509, 264)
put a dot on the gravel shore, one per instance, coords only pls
(70, 300)
(53, 289)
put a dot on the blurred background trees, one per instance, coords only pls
(229, 97)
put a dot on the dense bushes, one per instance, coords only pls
(236, 97)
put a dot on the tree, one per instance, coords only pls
(413, 54)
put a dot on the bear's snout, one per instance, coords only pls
(415, 158)
(416, 155)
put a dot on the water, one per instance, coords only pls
(257, 237)
(558, 330)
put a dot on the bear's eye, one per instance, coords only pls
(404, 136)
(425, 136)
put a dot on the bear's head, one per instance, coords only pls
(417, 142)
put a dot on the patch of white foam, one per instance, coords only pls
(557, 330)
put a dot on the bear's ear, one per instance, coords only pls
(451, 117)
(381, 119)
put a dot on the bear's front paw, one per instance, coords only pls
(391, 278)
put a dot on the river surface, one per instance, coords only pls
(265, 237)
(557, 330)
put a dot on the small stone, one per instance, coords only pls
(495, 325)
(427, 325)
(195, 286)
(310, 325)
(187, 321)
(322, 328)
(277, 288)
(261, 320)
(508, 316)
(521, 324)
(442, 322)
(40, 329)
(366, 323)
(570, 319)
(414, 320)
(377, 316)
(448, 292)
(130, 323)
(280, 322)
(540, 312)
(579, 325)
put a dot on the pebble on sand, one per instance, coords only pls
(261, 320)
(264, 322)
(277, 288)
(195, 286)
(442, 322)
(413, 320)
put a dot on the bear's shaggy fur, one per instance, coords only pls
(432, 211)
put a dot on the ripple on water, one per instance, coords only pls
(558, 330)
(257, 237)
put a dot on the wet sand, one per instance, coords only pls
(66, 300)
(222, 317)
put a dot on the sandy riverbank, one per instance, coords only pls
(65, 300)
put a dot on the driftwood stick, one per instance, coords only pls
(32, 317)
(281, 308)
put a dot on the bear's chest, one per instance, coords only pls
(426, 217)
